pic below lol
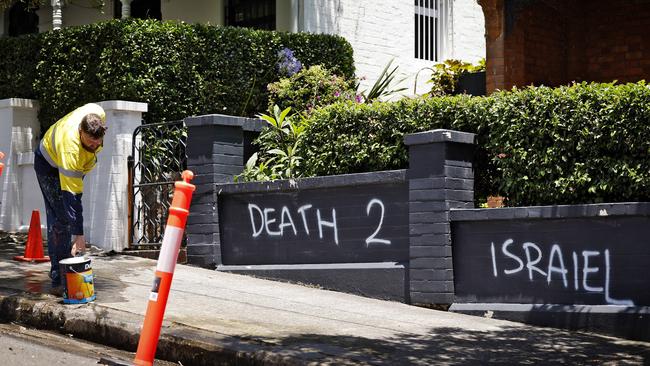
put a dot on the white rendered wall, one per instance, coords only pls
(284, 15)
(382, 30)
(193, 11)
(19, 192)
(105, 198)
(468, 31)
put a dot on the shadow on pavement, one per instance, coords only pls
(512, 345)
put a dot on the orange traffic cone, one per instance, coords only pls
(34, 247)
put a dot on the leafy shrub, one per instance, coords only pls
(279, 156)
(178, 69)
(351, 138)
(308, 89)
(585, 143)
(579, 144)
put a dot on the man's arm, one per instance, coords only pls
(72, 204)
(71, 177)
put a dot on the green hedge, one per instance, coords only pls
(580, 144)
(18, 66)
(179, 69)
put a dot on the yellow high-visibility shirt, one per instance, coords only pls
(61, 147)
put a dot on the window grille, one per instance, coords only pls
(430, 29)
(258, 14)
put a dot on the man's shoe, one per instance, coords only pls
(57, 291)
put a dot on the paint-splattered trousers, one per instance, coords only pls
(59, 239)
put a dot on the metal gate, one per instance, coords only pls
(157, 159)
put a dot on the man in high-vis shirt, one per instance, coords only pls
(67, 152)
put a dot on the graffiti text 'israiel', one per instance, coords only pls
(580, 267)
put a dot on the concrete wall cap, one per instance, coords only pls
(439, 135)
(123, 105)
(247, 124)
(344, 180)
(552, 212)
(18, 103)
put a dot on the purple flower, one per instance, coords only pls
(288, 64)
(337, 93)
(358, 98)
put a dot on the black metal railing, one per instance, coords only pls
(157, 159)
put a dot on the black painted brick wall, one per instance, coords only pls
(440, 177)
(217, 149)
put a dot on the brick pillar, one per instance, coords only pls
(494, 43)
(217, 149)
(440, 177)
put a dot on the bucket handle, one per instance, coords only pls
(88, 278)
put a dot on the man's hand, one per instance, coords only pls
(79, 245)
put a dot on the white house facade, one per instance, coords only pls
(414, 33)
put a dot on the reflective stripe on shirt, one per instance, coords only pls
(71, 173)
(46, 155)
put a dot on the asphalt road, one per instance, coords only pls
(21, 346)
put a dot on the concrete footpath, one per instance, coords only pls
(218, 318)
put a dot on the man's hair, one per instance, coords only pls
(93, 125)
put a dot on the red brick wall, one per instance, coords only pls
(610, 40)
(554, 42)
(494, 44)
(535, 49)
(544, 32)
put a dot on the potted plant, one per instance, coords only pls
(495, 201)
(458, 77)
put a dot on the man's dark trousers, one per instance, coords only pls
(59, 239)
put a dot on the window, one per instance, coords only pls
(430, 29)
(259, 14)
(22, 20)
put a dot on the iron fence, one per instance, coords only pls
(157, 159)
